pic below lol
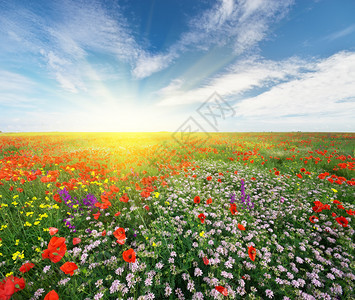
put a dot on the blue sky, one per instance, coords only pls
(148, 65)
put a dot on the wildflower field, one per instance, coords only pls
(145, 216)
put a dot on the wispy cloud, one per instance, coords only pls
(15, 90)
(238, 79)
(66, 40)
(69, 31)
(340, 33)
(237, 25)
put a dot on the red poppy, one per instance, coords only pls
(53, 230)
(241, 227)
(235, 172)
(124, 198)
(252, 253)
(253, 178)
(342, 221)
(202, 218)
(209, 201)
(129, 256)
(318, 206)
(321, 176)
(114, 189)
(76, 241)
(26, 267)
(103, 233)
(336, 202)
(52, 295)
(117, 214)
(197, 199)
(277, 173)
(56, 197)
(69, 268)
(120, 235)
(222, 290)
(206, 261)
(11, 284)
(312, 218)
(56, 249)
(299, 176)
(145, 194)
(209, 178)
(7, 289)
(303, 170)
(233, 208)
(97, 215)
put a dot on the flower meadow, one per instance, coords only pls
(144, 216)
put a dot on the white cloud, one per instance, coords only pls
(288, 89)
(326, 89)
(149, 64)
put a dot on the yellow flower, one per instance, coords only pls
(9, 274)
(36, 223)
(14, 203)
(17, 255)
(154, 244)
(16, 243)
(334, 190)
(202, 234)
(156, 194)
(14, 197)
(167, 203)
